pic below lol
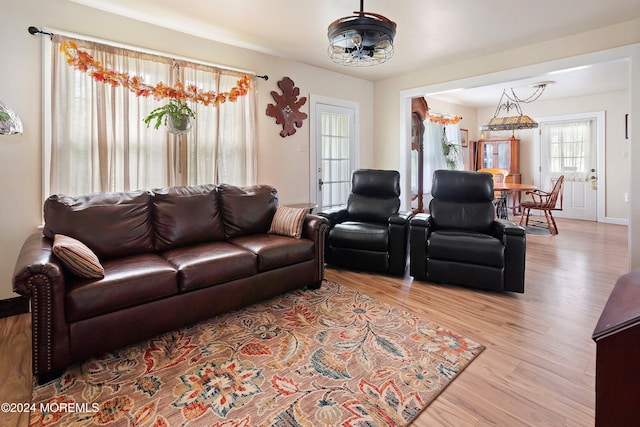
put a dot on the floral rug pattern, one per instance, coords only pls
(330, 356)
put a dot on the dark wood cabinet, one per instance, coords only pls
(617, 337)
(502, 153)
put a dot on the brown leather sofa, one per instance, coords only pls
(171, 257)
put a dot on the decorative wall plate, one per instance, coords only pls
(287, 108)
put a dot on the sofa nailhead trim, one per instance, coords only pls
(35, 310)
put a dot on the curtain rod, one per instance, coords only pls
(35, 30)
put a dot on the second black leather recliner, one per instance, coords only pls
(461, 242)
(370, 233)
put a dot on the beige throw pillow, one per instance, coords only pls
(288, 221)
(77, 257)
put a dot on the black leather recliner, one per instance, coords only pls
(369, 233)
(461, 242)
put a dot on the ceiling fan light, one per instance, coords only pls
(362, 40)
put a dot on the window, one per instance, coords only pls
(569, 145)
(97, 140)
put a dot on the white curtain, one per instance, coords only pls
(99, 141)
(567, 151)
(434, 155)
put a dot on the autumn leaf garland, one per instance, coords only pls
(83, 61)
(436, 118)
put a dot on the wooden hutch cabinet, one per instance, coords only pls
(503, 153)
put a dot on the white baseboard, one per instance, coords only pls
(619, 221)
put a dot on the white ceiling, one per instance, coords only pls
(588, 80)
(430, 32)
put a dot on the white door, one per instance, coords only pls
(569, 148)
(333, 155)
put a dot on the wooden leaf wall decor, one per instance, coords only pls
(287, 108)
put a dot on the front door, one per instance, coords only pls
(334, 153)
(569, 148)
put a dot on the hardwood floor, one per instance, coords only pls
(538, 368)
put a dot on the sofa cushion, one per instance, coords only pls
(375, 195)
(447, 214)
(208, 264)
(360, 235)
(127, 282)
(288, 221)
(371, 209)
(77, 257)
(186, 215)
(466, 247)
(90, 218)
(247, 210)
(274, 251)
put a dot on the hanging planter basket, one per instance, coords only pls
(179, 126)
(176, 115)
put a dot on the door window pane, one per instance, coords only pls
(336, 173)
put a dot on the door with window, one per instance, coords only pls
(333, 153)
(569, 148)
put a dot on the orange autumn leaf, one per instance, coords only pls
(84, 62)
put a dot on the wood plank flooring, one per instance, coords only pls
(539, 365)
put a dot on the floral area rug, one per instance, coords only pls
(330, 356)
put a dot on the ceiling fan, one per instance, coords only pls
(361, 40)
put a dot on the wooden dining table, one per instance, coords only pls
(509, 188)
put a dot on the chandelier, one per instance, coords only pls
(512, 102)
(361, 40)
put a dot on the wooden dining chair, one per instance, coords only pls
(545, 202)
(500, 200)
(499, 175)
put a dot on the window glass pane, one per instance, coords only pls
(503, 156)
(336, 174)
(569, 148)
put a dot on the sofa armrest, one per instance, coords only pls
(40, 276)
(402, 217)
(398, 242)
(514, 239)
(35, 259)
(503, 227)
(422, 220)
(334, 215)
(315, 228)
(420, 228)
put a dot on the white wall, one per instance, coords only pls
(282, 162)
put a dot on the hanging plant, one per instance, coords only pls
(176, 115)
(450, 151)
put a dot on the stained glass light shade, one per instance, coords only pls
(510, 123)
(10, 123)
